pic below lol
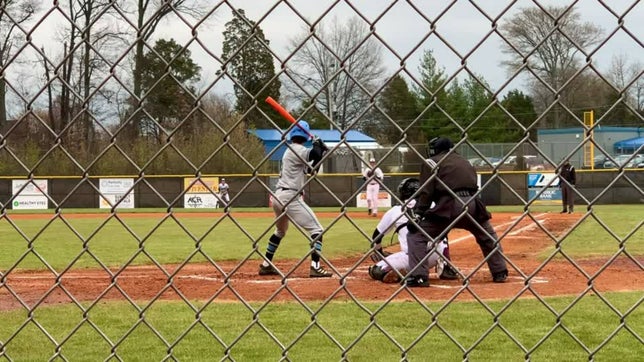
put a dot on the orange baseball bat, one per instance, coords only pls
(284, 113)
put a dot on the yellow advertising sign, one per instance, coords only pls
(204, 185)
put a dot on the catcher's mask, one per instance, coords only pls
(439, 145)
(408, 188)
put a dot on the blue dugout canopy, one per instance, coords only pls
(271, 138)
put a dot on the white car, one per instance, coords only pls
(532, 162)
(625, 160)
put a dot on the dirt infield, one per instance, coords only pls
(523, 240)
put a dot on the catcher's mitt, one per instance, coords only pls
(376, 273)
(394, 277)
(369, 173)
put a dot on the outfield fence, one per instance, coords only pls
(144, 86)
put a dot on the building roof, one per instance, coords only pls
(630, 144)
(272, 138)
(326, 135)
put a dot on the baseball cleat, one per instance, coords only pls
(500, 277)
(416, 282)
(267, 270)
(319, 273)
(448, 273)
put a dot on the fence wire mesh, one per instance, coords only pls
(174, 90)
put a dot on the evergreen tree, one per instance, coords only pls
(399, 109)
(520, 106)
(167, 81)
(248, 61)
(456, 103)
(483, 119)
(433, 99)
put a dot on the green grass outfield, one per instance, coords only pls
(83, 242)
(554, 329)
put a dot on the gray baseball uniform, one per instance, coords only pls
(288, 193)
(223, 191)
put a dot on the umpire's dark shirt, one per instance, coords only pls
(455, 172)
(568, 174)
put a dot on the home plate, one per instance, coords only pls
(537, 280)
(442, 286)
(269, 281)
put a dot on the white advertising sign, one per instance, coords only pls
(200, 201)
(29, 194)
(200, 192)
(31, 187)
(114, 190)
(384, 199)
(29, 202)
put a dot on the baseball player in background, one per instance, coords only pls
(373, 176)
(288, 203)
(223, 191)
(389, 268)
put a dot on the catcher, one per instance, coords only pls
(389, 268)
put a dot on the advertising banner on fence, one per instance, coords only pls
(200, 193)
(114, 190)
(29, 194)
(384, 199)
(541, 183)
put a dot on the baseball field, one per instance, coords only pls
(184, 286)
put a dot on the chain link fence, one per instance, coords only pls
(93, 89)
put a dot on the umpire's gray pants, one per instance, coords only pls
(483, 232)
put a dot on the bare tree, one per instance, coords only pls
(88, 40)
(341, 65)
(627, 77)
(13, 15)
(548, 40)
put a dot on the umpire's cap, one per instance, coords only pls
(301, 129)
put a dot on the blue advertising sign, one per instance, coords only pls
(543, 188)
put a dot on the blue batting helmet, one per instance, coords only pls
(301, 129)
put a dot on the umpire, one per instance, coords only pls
(567, 184)
(449, 180)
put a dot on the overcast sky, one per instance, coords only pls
(403, 29)
(463, 26)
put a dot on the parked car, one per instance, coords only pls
(481, 163)
(531, 162)
(627, 161)
(636, 162)
(598, 161)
